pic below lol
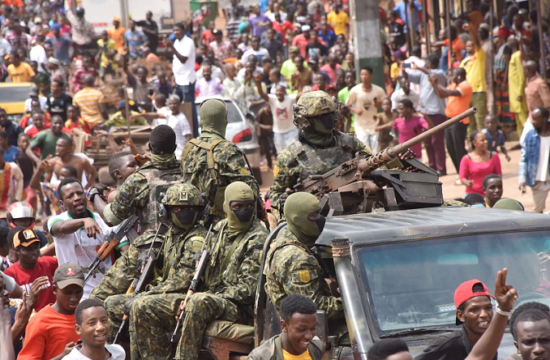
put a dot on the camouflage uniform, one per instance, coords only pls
(135, 197)
(230, 283)
(292, 269)
(151, 313)
(210, 162)
(303, 158)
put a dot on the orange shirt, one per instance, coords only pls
(456, 105)
(118, 37)
(18, 3)
(47, 334)
(457, 46)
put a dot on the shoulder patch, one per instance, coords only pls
(244, 171)
(305, 276)
(276, 171)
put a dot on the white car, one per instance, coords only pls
(241, 131)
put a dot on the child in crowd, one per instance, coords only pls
(9, 153)
(494, 136)
(31, 266)
(407, 125)
(384, 124)
(51, 333)
(36, 126)
(92, 325)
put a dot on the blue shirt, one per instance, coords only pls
(329, 38)
(11, 155)
(444, 59)
(529, 159)
(135, 40)
(61, 49)
(494, 143)
(401, 9)
(428, 101)
(263, 5)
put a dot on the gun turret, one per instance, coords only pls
(359, 184)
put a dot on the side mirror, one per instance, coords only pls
(250, 116)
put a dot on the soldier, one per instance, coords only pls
(318, 150)
(151, 313)
(139, 194)
(211, 162)
(232, 272)
(291, 268)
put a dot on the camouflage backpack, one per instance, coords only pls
(200, 169)
(159, 181)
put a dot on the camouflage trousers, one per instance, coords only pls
(201, 309)
(119, 277)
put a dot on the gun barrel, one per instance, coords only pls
(389, 154)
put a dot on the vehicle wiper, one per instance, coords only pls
(416, 331)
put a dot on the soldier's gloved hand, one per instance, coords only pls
(128, 305)
(103, 189)
(92, 192)
(407, 155)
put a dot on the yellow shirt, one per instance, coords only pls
(104, 60)
(22, 73)
(516, 84)
(303, 356)
(394, 70)
(338, 22)
(475, 70)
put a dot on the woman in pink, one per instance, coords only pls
(408, 126)
(477, 164)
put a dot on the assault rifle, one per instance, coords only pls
(359, 186)
(108, 246)
(138, 285)
(199, 271)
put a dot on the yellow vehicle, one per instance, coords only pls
(12, 99)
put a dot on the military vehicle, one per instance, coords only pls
(397, 271)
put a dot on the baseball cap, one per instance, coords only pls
(305, 28)
(25, 238)
(465, 292)
(117, 18)
(294, 48)
(34, 91)
(217, 32)
(54, 61)
(68, 274)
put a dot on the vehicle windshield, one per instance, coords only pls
(233, 115)
(411, 284)
(14, 94)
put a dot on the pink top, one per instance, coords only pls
(407, 129)
(478, 171)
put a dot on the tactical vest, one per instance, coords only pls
(159, 180)
(318, 161)
(201, 170)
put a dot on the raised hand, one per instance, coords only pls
(505, 294)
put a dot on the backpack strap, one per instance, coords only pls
(209, 147)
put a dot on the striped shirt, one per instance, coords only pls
(11, 184)
(88, 100)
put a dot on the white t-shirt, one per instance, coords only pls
(360, 99)
(544, 153)
(38, 54)
(260, 53)
(184, 74)
(283, 115)
(9, 282)
(43, 100)
(117, 353)
(181, 127)
(80, 249)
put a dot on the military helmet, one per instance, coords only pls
(316, 103)
(183, 195)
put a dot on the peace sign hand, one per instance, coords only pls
(505, 295)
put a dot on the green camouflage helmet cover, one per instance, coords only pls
(183, 195)
(317, 103)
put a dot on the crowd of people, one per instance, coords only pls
(291, 66)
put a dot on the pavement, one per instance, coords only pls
(452, 191)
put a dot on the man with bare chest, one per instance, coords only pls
(64, 156)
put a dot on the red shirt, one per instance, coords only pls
(207, 37)
(301, 41)
(331, 72)
(45, 266)
(80, 124)
(25, 121)
(478, 171)
(47, 334)
(283, 28)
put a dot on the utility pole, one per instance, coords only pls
(365, 21)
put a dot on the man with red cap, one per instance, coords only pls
(475, 311)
